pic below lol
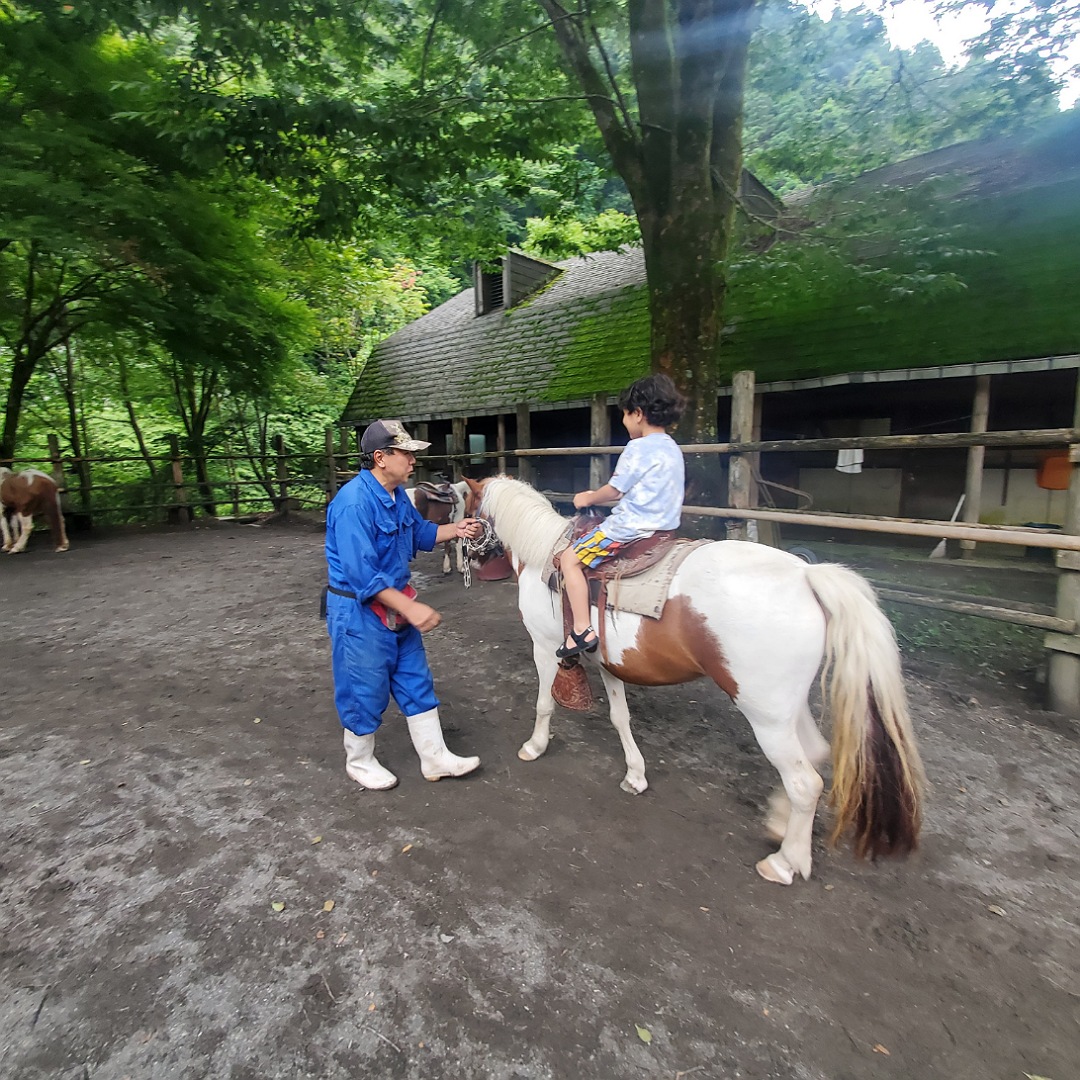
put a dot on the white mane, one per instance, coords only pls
(524, 520)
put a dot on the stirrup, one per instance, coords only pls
(580, 644)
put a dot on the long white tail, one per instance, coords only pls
(878, 779)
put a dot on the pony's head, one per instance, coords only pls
(523, 519)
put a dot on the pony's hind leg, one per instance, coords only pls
(546, 666)
(817, 750)
(55, 515)
(5, 530)
(634, 781)
(803, 787)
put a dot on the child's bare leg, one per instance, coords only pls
(577, 592)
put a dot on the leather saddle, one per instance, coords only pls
(443, 492)
(633, 558)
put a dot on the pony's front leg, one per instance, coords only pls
(22, 524)
(460, 559)
(446, 557)
(634, 781)
(546, 666)
(8, 539)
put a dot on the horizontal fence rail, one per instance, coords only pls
(182, 495)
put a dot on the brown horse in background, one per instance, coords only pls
(22, 495)
(441, 504)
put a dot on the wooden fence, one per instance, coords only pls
(743, 452)
(178, 486)
(182, 487)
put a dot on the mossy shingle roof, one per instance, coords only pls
(583, 333)
(587, 331)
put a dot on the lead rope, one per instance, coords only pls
(485, 542)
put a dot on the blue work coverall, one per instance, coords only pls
(371, 536)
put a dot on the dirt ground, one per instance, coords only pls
(172, 773)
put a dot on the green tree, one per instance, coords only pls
(665, 82)
(102, 222)
(831, 99)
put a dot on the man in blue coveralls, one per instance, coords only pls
(373, 615)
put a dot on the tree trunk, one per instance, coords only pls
(686, 297)
(681, 160)
(79, 445)
(21, 370)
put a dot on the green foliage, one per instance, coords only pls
(830, 100)
(552, 238)
(1030, 44)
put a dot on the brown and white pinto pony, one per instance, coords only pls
(22, 495)
(440, 513)
(758, 622)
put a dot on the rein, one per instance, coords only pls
(485, 543)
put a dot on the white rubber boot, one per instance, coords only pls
(435, 760)
(361, 765)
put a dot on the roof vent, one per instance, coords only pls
(488, 285)
(516, 277)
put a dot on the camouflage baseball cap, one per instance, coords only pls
(389, 435)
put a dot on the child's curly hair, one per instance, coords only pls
(657, 398)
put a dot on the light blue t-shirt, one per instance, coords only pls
(652, 476)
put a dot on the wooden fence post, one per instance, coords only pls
(423, 472)
(282, 474)
(599, 435)
(180, 511)
(58, 472)
(526, 471)
(500, 444)
(331, 466)
(1063, 676)
(234, 485)
(742, 430)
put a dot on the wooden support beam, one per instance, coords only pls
(420, 431)
(1063, 676)
(500, 444)
(980, 417)
(742, 431)
(460, 437)
(526, 471)
(599, 435)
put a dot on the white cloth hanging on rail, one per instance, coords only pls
(849, 461)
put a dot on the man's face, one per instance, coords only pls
(396, 465)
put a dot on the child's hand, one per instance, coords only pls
(583, 500)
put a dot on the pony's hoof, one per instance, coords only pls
(63, 547)
(775, 868)
(632, 788)
(527, 753)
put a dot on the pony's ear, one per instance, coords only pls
(474, 487)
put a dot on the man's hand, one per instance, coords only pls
(468, 529)
(423, 617)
